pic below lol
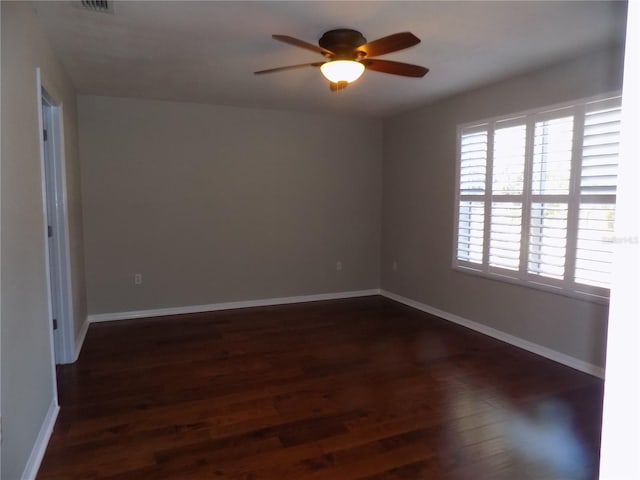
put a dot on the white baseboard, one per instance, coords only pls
(42, 440)
(478, 327)
(107, 317)
(80, 338)
(500, 335)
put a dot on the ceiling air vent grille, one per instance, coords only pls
(103, 6)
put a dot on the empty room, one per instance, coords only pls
(318, 240)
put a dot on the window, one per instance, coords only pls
(536, 197)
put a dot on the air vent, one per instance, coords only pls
(103, 6)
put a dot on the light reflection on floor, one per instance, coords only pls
(539, 435)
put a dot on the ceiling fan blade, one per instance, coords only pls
(290, 67)
(395, 68)
(303, 44)
(392, 43)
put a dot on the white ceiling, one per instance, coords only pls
(206, 51)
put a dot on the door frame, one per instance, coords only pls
(54, 190)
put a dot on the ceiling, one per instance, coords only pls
(206, 52)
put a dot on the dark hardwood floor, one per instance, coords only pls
(349, 389)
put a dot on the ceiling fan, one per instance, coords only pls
(348, 54)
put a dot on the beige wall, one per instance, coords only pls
(418, 211)
(216, 204)
(27, 389)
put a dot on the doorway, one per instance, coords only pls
(56, 228)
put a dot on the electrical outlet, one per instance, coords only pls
(137, 279)
(338, 265)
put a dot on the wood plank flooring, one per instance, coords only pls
(341, 390)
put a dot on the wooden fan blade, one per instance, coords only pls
(395, 68)
(303, 44)
(392, 43)
(290, 67)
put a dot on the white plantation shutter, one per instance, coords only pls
(536, 197)
(509, 143)
(508, 159)
(594, 250)
(473, 162)
(553, 140)
(548, 239)
(470, 231)
(506, 225)
(598, 180)
(550, 185)
(473, 171)
(599, 173)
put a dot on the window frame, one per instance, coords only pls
(573, 198)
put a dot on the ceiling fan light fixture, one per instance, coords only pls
(338, 71)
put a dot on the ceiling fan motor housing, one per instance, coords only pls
(344, 43)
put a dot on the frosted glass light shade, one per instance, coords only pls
(342, 70)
